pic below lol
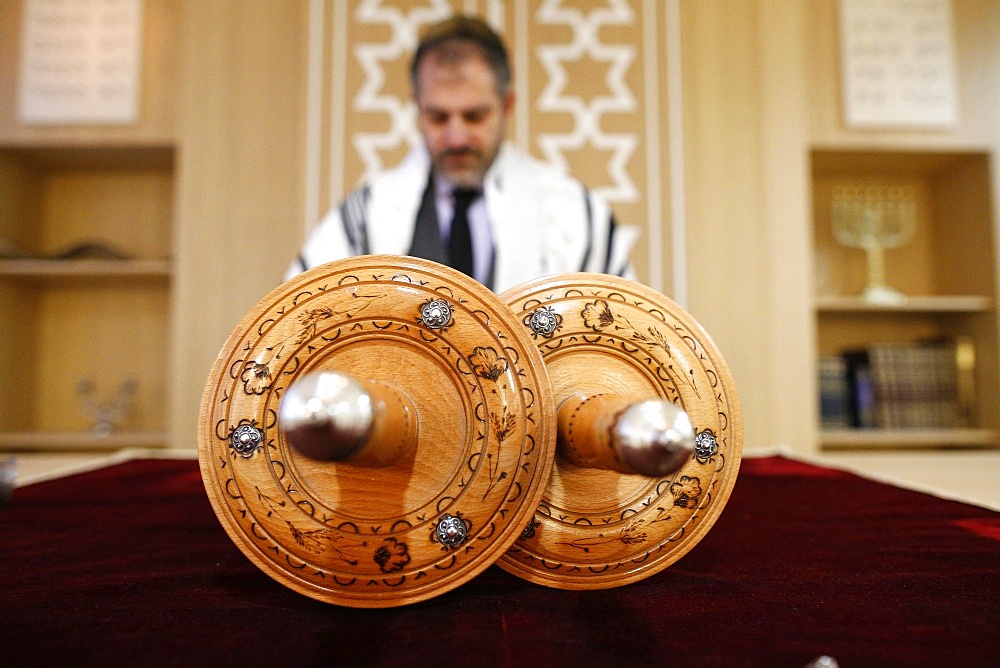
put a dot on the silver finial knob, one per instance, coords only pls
(326, 415)
(651, 437)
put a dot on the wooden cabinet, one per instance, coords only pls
(74, 189)
(946, 273)
(102, 314)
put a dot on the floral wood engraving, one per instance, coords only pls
(317, 540)
(392, 556)
(489, 365)
(598, 316)
(630, 534)
(257, 375)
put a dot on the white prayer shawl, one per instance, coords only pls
(542, 221)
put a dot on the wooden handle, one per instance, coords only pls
(330, 416)
(649, 437)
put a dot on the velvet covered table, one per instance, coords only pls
(128, 565)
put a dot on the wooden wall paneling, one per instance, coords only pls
(745, 218)
(239, 203)
(70, 320)
(19, 214)
(787, 326)
(976, 35)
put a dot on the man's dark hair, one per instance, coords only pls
(449, 40)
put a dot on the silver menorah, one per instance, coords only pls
(874, 217)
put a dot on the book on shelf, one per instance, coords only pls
(924, 385)
(846, 392)
(834, 393)
(862, 389)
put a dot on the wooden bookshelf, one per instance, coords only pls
(106, 319)
(80, 441)
(913, 304)
(847, 439)
(55, 270)
(946, 273)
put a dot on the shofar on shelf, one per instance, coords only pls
(435, 472)
(621, 348)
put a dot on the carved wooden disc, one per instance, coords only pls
(374, 537)
(601, 334)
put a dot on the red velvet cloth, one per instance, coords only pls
(128, 565)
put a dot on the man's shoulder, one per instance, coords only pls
(415, 164)
(411, 169)
(545, 175)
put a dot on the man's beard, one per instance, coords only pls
(464, 167)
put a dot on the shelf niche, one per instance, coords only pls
(96, 317)
(946, 273)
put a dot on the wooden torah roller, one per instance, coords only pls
(377, 431)
(610, 345)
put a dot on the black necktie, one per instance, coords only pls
(459, 239)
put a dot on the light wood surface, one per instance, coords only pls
(946, 273)
(599, 528)
(888, 439)
(73, 270)
(80, 441)
(912, 304)
(69, 319)
(366, 536)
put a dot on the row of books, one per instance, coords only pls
(898, 386)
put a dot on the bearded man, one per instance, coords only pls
(467, 197)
